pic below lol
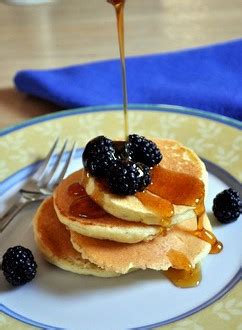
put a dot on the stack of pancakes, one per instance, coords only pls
(126, 235)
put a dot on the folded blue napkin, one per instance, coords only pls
(208, 78)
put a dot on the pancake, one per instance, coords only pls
(177, 249)
(53, 240)
(104, 226)
(176, 158)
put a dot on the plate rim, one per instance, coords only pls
(139, 107)
(117, 107)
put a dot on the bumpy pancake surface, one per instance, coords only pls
(155, 254)
(53, 240)
(176, 158)
(104, 227)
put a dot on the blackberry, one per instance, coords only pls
(143, 150)
(227, 206)
(127, 177)
(18, 265)
(99, 154)
(121, 149)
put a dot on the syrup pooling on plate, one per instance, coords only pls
(182, 274)
(183, 278)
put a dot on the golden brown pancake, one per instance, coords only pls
(105, 226)
(179, 158)
(157, 254)
(176, 158)
(53, 240)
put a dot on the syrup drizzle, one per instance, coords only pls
(82, 205)
(168, 188)
(159, 205)
(179, 260)
(75, 189)
(178, 188)
(208, 236)
(182, 273)
(119, 10)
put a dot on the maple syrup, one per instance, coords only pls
(168, 188)
(86, 208)
(207, 236)
(178, 188)
(183, 278)
(182, 274)
(157, 204)
(179, 260)
(75, 189)
(82, 205)
(119, 10)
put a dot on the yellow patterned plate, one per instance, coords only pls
(142, 300)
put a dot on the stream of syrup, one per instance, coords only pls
(119, 10)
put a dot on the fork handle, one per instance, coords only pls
(12, 212)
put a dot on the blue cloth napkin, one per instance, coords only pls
(208, 78)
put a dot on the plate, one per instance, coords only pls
(143, 299)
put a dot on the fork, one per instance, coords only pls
(42, 183)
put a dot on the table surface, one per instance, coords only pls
(66, 32)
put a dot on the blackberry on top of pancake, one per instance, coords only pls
(139, 185)
(123, 165)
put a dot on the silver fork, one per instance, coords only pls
(42, 183)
